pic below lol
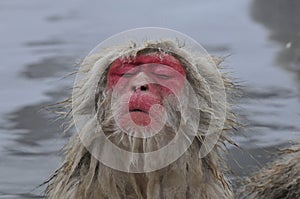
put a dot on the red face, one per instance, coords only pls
(147, 79)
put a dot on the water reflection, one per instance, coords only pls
(33, 153)
(34, 124)
(282, 19)
(48, 46)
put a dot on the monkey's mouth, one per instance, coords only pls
(139, 116)
(138, 110)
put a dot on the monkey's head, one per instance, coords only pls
(149, 114)
(152, 99)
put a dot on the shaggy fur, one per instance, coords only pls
(83, 176)
(279, 180)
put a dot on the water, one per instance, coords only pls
(41, 41)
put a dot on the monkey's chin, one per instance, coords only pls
(141, 123)
(140, 118)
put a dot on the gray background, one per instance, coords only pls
(41, 42)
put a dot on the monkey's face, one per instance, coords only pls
(138, 106)
(140, 85)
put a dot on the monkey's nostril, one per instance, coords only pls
(141, 88)
(144, 88)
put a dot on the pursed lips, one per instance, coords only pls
(138, 110)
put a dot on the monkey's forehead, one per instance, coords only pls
(162, 52)
(132, 42)
(143, 57)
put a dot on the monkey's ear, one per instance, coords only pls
(218, 60)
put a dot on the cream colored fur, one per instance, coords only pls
(83, 176)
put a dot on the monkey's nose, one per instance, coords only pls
(140, 88)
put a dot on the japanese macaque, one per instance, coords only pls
(133, 97)
(279, 180)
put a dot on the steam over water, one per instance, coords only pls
(41, 42)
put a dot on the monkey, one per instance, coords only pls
(279, 179)
(136, 97)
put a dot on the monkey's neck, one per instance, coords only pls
(187, 177)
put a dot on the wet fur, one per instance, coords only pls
(278, 180)
(83, 176)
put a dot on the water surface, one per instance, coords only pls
(41, 42)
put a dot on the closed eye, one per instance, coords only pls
(162, 76)
(127, 74)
